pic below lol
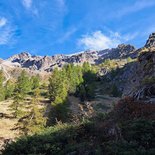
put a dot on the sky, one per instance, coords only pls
(49, 27)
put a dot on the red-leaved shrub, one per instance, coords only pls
(128, 108)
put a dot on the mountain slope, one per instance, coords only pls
(125, 127)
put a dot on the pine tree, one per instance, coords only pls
(58, 91)
(21, 88)
(33, 121)
(23, 84)
(16, 106)
(58, 87)
(74, 77)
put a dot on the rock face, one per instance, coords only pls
(151, 41)
(141, 83)
(135, 78)
(141, 80)
(48, 63)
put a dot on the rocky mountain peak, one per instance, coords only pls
(151, 41)
(125, 50)
(20, 57)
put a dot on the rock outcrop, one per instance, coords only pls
(141, 80)
(151, 41)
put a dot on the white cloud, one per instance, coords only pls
(97, 41)
(3, 21)
(27, 3)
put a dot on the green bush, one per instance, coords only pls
(149, 80)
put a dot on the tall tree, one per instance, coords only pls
(21, 89)
(16, 106)
(58, 87)
(33, 121)
(58, 91)
(23, 85)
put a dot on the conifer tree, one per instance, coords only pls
(21, 88)
(58, 87)
(16, 106)
(33, 121)
(58, 91)
(23, 84)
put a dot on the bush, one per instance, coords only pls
(149, 80)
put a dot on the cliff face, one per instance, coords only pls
(141, 81)
(151, 41)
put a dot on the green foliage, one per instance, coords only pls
(35, 82)
(9, 89)
(114, 91)
(60, 139)
(138, 139)
(140, 131)
(58, 87)
(58, 91)
(70, 80)
(149, 80)
(33, 121)
(109, 64)
(86, 88)
(129, 59)
(89, 137)
(74, 77)
(23, 84)
(16, 105)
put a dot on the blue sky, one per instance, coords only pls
(49, 27)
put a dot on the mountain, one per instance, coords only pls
(119, 119)
(48, 63)
(132, 78)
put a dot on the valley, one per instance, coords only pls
(86, 102)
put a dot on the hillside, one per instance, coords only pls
(95, 102)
